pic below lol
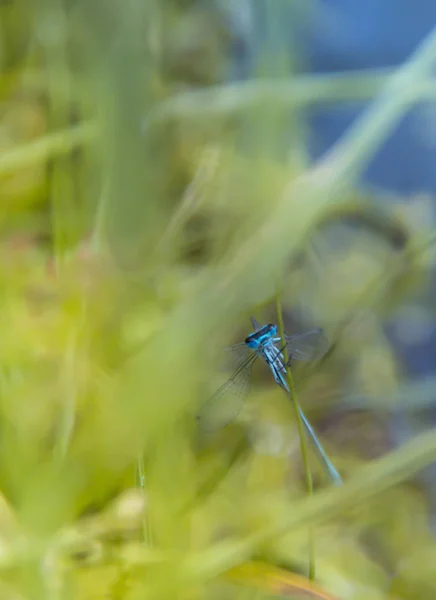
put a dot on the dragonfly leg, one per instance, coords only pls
(283, 365)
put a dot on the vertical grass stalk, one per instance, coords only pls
(140, 483)
(301, 431)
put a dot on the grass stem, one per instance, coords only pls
(301, 432)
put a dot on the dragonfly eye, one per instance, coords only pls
(252, 341)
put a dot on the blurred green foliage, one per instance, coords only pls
(141, 225)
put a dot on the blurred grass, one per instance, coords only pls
(149, 208)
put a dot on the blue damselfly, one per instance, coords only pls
(265, 342)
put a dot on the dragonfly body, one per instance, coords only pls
(265, 343)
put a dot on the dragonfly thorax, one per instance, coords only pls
(261, 337)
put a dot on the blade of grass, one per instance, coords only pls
(56, 144)
(308, 197)
(140, 482)
(52, 35)
(300, 91)
(367, 482)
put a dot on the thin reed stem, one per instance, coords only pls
(140, 482)
(301, 432)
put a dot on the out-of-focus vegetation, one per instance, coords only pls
(147, 209)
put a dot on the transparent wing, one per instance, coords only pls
(235, 356)
(307, 346)
(255, 324)
(224, 405)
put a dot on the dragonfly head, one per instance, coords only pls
(261, 336)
